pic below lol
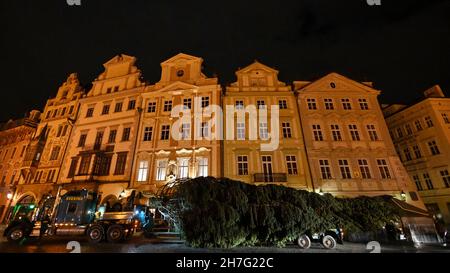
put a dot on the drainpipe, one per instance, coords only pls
(304, 141)
(138, 133)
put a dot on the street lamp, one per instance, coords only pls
(9, 195)
(403, 195)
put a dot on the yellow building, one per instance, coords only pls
(348, 145)
(15, 136)
(421, 134)
(244, 156)
(102, 145)
(45, 153)
(161, 156)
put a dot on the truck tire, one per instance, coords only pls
(115, 233)
(16, 234)
(329, 242)
(304, 242)
(95, 234)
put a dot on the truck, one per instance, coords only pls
(75, 213)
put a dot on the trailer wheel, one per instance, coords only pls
(15, 234)
(328, 242)
(304, 241)
(95, 234)
(115, 233)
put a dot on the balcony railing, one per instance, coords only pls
(268, 178)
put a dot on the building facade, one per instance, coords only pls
(45, 153)
(247, 129)
(15, 137)
(348, 145)
(182, 145)
(421, 135)
(102, 145)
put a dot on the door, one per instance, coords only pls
(267, 168)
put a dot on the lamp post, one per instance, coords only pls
(403, 195)
(9, 197)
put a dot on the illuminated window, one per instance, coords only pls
(142, 171)
(240, 129)
(183, 167)
(202, 166)
(161, 167)
(186, 131)
(263, 131)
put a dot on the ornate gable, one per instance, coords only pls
(258, 77)
(335, 82)
(184, 68)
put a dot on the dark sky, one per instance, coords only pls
(403, 46)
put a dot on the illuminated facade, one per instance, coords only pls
(258, 88)
(349, 148)
(421, 135)
(15, 137)
(162, 157)
(45, 154)
(101, 147)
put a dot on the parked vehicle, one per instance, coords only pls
(74, 213)
(328, 239)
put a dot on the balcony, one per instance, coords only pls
(270, 178)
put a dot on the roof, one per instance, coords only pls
(410, 210)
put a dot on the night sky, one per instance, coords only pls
(403, 46)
